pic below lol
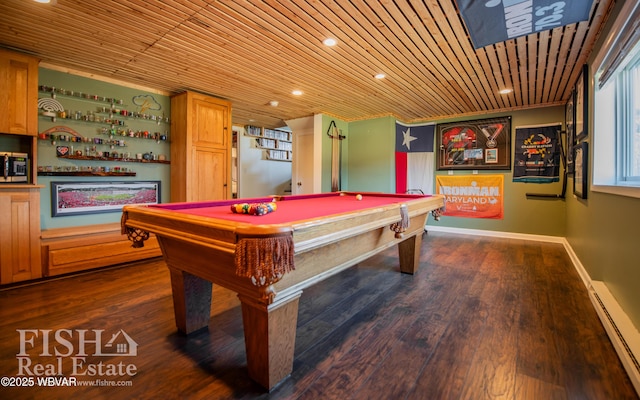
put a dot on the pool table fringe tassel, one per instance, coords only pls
(264, 260)
(402, 225)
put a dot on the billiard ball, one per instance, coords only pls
(358, 197)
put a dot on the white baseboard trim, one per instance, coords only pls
(510, 235)
(586, 279)
(623, 334)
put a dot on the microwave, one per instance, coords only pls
(14, 167)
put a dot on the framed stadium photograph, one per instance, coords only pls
(476, 144)
(75, 198)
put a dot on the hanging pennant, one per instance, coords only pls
(495, 21)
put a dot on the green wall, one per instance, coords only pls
(371, 162)
(343, 129)
(603, 229)
(371, 167)
(47, 151)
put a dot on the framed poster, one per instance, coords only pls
(536, 158)
(581, 111)
(569, 122)
(476, 144)
(580, 178)
(75, 198)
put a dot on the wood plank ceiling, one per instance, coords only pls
(253, 52)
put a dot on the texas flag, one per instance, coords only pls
(414, 157)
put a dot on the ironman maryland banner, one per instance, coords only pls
(472, 196)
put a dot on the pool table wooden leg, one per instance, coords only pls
(191, 301)
(409, 254)
(270, 336)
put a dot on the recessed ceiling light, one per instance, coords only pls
(329, 42)
(46, 1)
(379, 76)
(273, 103)
(506, 91)
(297, 92)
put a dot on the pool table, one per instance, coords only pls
(269, 259)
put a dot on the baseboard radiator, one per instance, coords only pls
(623, 334)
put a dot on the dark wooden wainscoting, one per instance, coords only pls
(484, 318)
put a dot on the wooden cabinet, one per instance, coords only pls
(20, 233)
(80, 248)
(19, 203)
(200, 148)
(18, 93)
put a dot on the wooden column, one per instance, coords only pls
(191, 301)
(270, 337)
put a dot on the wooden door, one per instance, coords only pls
(211, 139)
(210, 179)
(210, 123)
(306, 169)
(18, 93)
(200, 148)
(20, 235)
(302, 171)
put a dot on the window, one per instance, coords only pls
(616, 133)
(634, 132)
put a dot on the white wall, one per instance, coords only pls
(258, 176)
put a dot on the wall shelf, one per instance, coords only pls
(85, 173)
(276, 159)
(57, 118)
(276, 143)
(114, 159)
(78, 95)
(116, 108)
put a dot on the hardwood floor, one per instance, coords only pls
(484, 318)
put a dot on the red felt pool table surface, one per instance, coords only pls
(289, 208)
